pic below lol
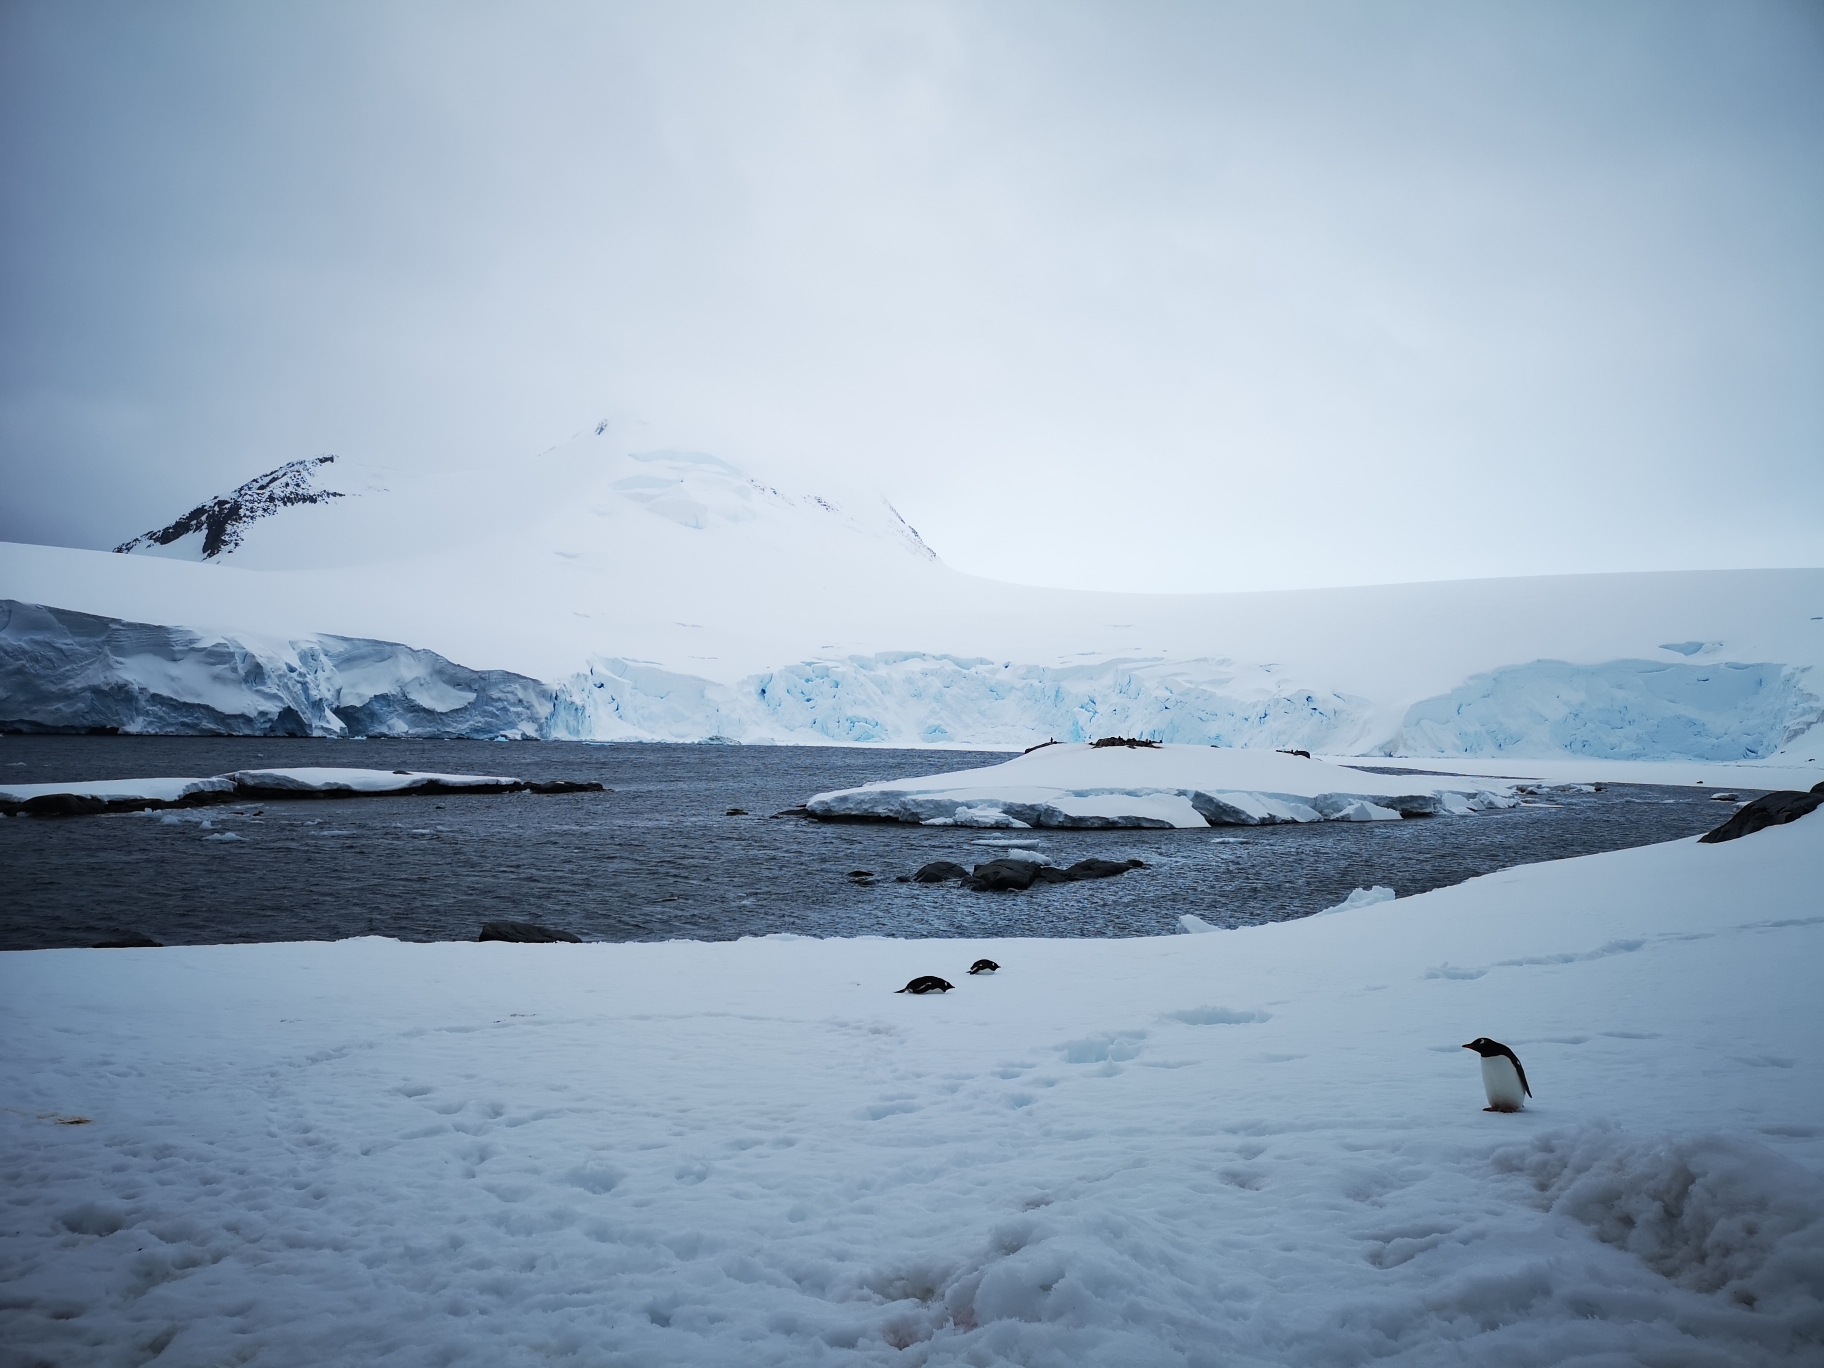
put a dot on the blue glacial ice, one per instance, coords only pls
(72, 672)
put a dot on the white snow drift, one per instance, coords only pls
(1256, 1147)
(672, 595)
(1157, 786)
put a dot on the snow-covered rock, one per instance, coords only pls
(218, 526)
(308, 781)
(1156, 786)
(1253, 1147)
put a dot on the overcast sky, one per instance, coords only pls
(1144, 296)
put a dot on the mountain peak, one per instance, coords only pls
(220, 523)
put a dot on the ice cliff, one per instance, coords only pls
(75, 672)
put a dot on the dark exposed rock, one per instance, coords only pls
(1304, 753)
(927, 983)
(222, 519)
(735, 812)
(1003, 876)
(130, 940)
(1101, 869)
(565, 786)
(1131, 742)
(524, 933)
(1041, 746)
(1770, 809)
(940, 870)
(1011, 876)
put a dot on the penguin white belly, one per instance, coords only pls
(1502, 1083)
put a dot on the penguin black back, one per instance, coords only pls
(983, 966)
(927, 983)
(1487, 1048)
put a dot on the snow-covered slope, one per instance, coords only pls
(1254, 1148)
(673, 595)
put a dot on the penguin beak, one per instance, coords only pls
(1466, 1047)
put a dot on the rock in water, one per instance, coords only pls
(1004, 876)
(1770, 809)
(1101, 869)
(131, 940)
(940, 870)
(525, 933)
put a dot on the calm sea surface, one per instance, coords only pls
(657, 858)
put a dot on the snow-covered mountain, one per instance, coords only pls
(674, 595)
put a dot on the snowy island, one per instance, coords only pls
(1149, 785)
(311, 781)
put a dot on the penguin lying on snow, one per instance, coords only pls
(1503, 1078)
(927, 983)
(983, 966)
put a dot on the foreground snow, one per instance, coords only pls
(1252, 1147)
(1156, 786)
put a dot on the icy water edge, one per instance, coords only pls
(657, 857)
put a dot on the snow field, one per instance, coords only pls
(1252, 1147)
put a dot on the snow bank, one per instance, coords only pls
(1155, 786)
(124, 795)
(1248, 1147)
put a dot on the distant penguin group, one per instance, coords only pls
(1503, 1077)
(931, 983)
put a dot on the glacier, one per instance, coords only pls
(67, 671)
(63, 671)
(596, 593)
(1616, 710)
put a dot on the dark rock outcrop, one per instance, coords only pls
(1131, 742)
(1101, 869)
(1004, 876)
(1770, 809)
(525, 933)
(131, 940)
(938, 871)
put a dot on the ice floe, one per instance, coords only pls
(1156, 786)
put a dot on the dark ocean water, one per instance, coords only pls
(657, 858)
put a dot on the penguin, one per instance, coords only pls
(983, 966)
(927, 983)
(1503, 1076)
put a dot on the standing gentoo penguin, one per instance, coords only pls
(1503, 1078)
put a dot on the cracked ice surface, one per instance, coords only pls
(1245, 1147)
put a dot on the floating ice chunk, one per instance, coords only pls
(222, 836)
(1196, 925)
(1015, 853)
(1362, 897)
(1361, 810)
